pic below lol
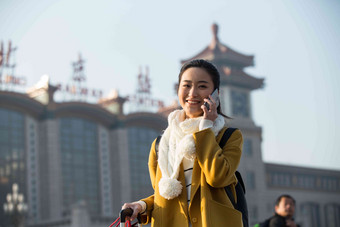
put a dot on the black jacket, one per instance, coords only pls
(278, 221)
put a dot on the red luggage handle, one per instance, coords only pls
(120, 221)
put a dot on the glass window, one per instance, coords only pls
(332, 212)
(240, 103)
(140, 140)
(80, 166)
(250, 180)
(311, 213)
(12, 147)
(247, 147)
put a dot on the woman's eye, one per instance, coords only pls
(186, 85)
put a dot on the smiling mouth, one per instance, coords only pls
(193, 102)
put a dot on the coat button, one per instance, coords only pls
(194, 220)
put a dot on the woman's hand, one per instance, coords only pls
(136, 207)
(210, 114)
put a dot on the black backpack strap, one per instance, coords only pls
(241, 204)
(223, 141)
(240, 180)
(226, 135)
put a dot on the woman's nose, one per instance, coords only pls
(193, 92)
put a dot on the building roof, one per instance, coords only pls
(221, 52)
(230, 63)
(22, 103)
(275, 167)
(239, 78)
(289, 177)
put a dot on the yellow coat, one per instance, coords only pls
(213, 169)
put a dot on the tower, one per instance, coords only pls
(235, 95)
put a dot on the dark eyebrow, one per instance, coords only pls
(201, 81)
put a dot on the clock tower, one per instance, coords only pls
(235, 95)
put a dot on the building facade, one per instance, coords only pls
(73, 156)
(77, 162)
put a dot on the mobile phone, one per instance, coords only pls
(215, 97)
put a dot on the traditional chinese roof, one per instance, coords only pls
(217, 51)
(238, 77)
(229, 62)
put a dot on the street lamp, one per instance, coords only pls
(15, 206)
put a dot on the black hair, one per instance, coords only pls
(278, 200)
(210, 69)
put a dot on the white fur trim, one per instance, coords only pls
(218, 124)
(169, 188)
(187, 147)
(176, 143)
(205, 123)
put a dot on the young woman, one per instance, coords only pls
(190, 170)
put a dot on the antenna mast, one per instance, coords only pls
(7, 67)
(77, 89)
(142, 100)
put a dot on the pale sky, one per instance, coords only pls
(295, 44)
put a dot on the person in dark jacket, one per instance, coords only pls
(284, 212)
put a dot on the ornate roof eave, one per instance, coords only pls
(217, 56)
(240, 78)
(206, 54)
(43, 88)
(218, 52)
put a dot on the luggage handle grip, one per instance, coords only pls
(127, 213)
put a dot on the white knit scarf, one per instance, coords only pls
(177, 142)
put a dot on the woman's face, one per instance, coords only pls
(195, 85)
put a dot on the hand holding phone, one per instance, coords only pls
(215, 97)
